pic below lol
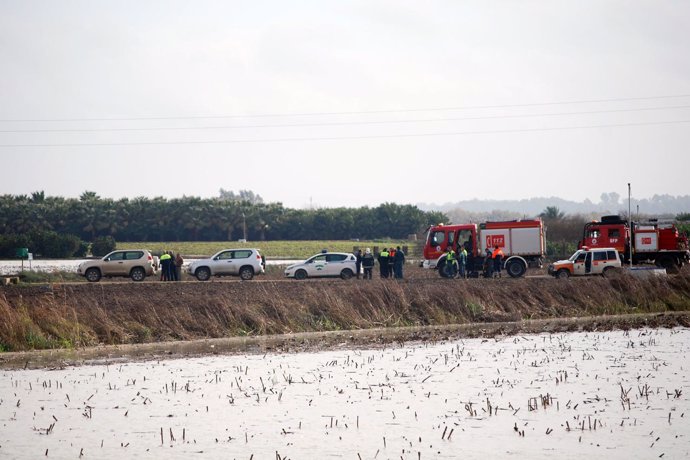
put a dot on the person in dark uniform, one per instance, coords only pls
(368, 263)
(358, 262)
(383, 263)
(398, 263)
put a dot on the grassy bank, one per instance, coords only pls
(279, 249)
(77, 315)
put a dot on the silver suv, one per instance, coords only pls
(244, 263)
(134, 263)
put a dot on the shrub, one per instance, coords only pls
(52, 244)
(41, 243)
(103, 245)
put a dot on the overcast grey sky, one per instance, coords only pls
(345, 103)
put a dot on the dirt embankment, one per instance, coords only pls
(82, 315)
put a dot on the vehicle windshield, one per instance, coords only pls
(574, 256)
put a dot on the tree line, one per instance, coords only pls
(228, 217)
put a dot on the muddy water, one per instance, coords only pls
(577, 395)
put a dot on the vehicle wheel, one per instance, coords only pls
(667, 262)
(516, 268)
(346, 274)
(563, 273)
(609, 272)
(246, 273)
(300, 274)
(202, 274)
(443, 269)
(137, 274)
(93, 275)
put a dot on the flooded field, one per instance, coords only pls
(577, 395)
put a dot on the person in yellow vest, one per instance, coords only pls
(166, 260)
(462, 261)
(497, 256)
(383, 262)
(451, 262)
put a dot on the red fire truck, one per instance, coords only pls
(522, 243)
(652, 242)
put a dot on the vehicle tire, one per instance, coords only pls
(516, 268)
(203, 274)
(137, 274)
(609, 272)
(668, 263)
(246, 273)
(300, 275)
(563, 273)
(442, 268)
(346, 274)
(93, 275)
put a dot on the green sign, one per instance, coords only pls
(23, 252)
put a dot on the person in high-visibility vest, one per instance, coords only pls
(462, 261)
(451, 262)
(166, 260)
(383, 263)
(497, 256)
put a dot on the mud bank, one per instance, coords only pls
(74, 316)
(331, 340)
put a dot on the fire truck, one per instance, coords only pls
(522, 243)
(652, 242)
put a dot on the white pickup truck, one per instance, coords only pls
(586, 261)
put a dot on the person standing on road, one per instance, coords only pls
(391, 263)
(383, 263)
(488, 264)
(165, 260)
(462, 262)
(398, 263)
(451, 262)
(178, 267)
(358, 262)
(368, 263)
(497, 256)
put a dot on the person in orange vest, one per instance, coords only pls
(497, 256)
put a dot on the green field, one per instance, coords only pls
(271, 249)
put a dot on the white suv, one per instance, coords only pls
(598, 261)
(244, 263)
(326, 264)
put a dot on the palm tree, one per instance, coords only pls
(552, 213)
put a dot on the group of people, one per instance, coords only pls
(391, 262)
(456, 263)
(171, 266)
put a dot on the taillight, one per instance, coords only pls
(150, 257)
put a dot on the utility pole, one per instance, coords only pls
(244, 227)
(630, 226)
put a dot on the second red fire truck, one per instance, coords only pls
(652, 242)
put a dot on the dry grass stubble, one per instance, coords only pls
(64, 316)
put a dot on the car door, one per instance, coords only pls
(114, 264)
(222, 263)
(599, 262)
(579, 264)
(336, 263)
(317, 266)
